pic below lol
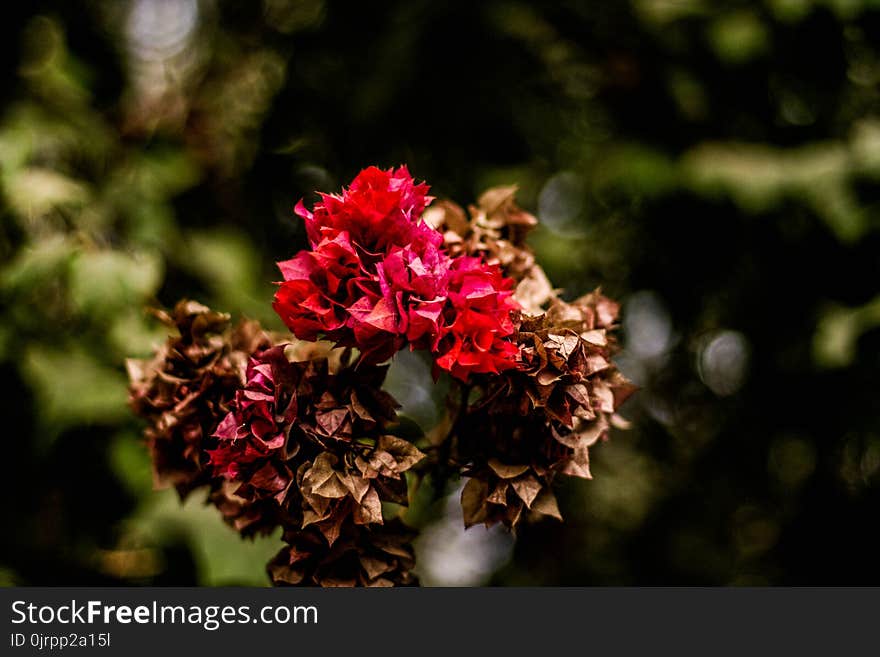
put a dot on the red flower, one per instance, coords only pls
(478, 321)
(253, 436)
(414, 282)
(339, 289)
(318, 287)
(376, 278)
(379, 208)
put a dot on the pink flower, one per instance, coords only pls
(253, 436)
(319, 286)
(340, 289)
(377, 278)
(378, 208)
(478, 323)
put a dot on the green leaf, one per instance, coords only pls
(222, 557)
(131, 461)
(73, 388)
(102, 282)
(227, 262)
(34, 265)
(36, 191)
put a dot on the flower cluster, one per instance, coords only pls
(377, 556)
(252, 445)
(540, 420)
(477, 321)
(376, 277)
(495, 229)
(282, 434)
(186, 388)
(299, 434)
(310, 446)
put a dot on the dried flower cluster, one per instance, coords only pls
(312, 443)
(280, 441)
(539, 420)
(298, 433)
(361, 556)
(187, 387)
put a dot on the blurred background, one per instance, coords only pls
(714, 165)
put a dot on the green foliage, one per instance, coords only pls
(714, 164)
(89, 234)
(222, 557)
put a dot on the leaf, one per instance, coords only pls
(585, 435)
(321, 479)
(534, 290)
(226, 262)
(103, 282)
(73, 387)
(595, 337)
(622, 391)
(338, 582)
(499, 495)
(547, 376)
(494, 198)
(332, 527)
(595, 363)
(375, 567)
(359, 409)
(357, 486)
(447, 214)
(35, 191)
(604, 396)
(545, 504)
(392, 490)
(313, 517)
(381, 463)
(332, 488)
(579, 393)
(369, 510)
(473, 502)
(507, 471)
(332, 420)
(381, 582)
(269, 478)
(579, 464)
(527, 488)
(38, 264)
(566, 343)
(405, 454)
(221, 557)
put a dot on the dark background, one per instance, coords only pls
(716, 166)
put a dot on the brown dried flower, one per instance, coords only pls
(185, 389)
(538, 421)
(311, 446)
(496, 229)
(374, 555)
